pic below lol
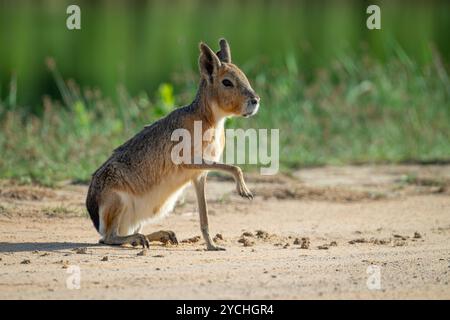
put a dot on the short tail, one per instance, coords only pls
(92, 207)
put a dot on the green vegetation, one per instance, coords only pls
(357, 110)
(338, 92)
(140, 44)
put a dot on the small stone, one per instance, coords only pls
(359, 240)
(399, 236)
(142, 253)
(218, 237)
(191, 240)
(417, 235)
(381, 241)
(26, 261)
(80, 250)
(399, 243)
(246, 242)
(304, 243)
(105, 258)
(262, 234)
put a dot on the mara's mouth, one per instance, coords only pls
(252, 112)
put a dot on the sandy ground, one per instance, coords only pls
(319, 233)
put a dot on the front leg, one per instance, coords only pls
(199, 184)
(238, 176)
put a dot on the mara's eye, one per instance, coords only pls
(227, 83)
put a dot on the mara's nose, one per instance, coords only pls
(254, 101)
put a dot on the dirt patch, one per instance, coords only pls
(253, 177)
(246, 242)
(299, 192)
(218, 237)
(191, 240)
(303, 242)
(80, 250)
(290, 248)
(27, 193)
(372, 241)
(385, 180)
(396, 240)
(142, 252)
(262, 234)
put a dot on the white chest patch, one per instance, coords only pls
(213, 151)
(151, 206)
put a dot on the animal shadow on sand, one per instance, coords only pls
(42, 246)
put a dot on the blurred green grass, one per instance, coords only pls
(338, 92)
(356, 111)
(142, 43)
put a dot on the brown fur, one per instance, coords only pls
(141, 170)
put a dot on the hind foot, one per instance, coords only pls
(163, 236)
(134, 239)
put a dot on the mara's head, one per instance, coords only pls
(225, 83)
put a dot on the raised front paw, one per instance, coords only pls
(244, 191)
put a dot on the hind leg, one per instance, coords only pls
(112, 210)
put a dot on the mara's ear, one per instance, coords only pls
(208, 62)
(224, 53)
